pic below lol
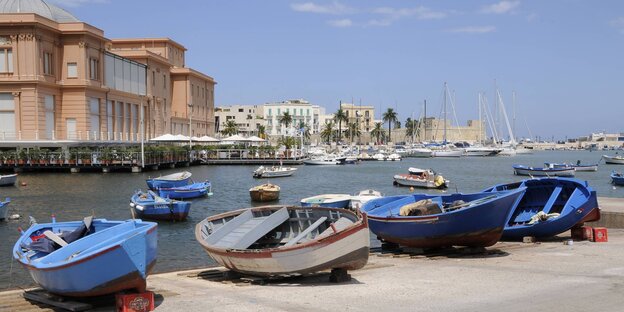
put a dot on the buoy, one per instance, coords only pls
(411, 189)
(14, 217)
(23, 183)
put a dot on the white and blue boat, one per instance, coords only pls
(171, 180)
(434, 221)
(89, 258)
(543, 172)
(327, 200)
(194, 190)
(153, 207)
(617, 178)
(4, 208)
(549, 206)
(577, 167)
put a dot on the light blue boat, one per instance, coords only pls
(171, 180)
(98, 258)
(617, 178)
(327, 200)
(194, 190)
(153, 207)
(4, 208)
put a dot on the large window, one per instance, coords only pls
(109, 116)
(47, 63)
(72, 70)
(124, 75)
(6, 60)
(119, 113)
(94, 108)
(49, 116)
(7, 116)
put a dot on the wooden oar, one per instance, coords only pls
(55, 238)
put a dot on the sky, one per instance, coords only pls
(562, 58)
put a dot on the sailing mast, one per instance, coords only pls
(445, 88)
(425, 136)
(513, 107)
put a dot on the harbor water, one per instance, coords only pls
(74, 196)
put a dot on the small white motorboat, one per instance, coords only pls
(422, 178)
(273, 172)
(363, 197)
(543, 172)
(379, 156)
(393, 157)
(481, 151)
(7, 180)
(420, 152)
(327, 200)
(325, 160)
(613, 160)
(447, 153)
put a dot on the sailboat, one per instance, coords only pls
(445, 151)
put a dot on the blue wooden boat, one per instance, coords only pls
(153, 207)
(94, 258)
(4, 208)
(549, 206)
(194, 190)
(327, 200)
(433, 221)
(171, 180)
(617, 178)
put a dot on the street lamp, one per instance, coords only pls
(190, 124)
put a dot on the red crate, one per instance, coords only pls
(580, 233)
(142, 302)
(600, 235)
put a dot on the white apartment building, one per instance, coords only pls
(248, 118)
(300, 110)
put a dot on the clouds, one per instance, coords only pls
(340, 23)
(473, 29)
(502, 7)
(76, 3)
(334, 8)
(618, 24)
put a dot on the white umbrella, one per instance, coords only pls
(255, 139)
(236, 138)
(181, 137)
(206, 138)
(166, 137)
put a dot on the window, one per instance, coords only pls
(47, 63)
(72, 70)
(240, 110)
(109, 116)
(94, 65)
(94, 109)
(6, 60)
(153, 78)
(119, 114)
(269, 114)
(7, 116)
(164, 81)
(49, 116)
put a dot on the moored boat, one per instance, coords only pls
(171, 180)
(481, 151)
(543, 172)
(325, 160)
(89, 258)
(613, 160)
(363, 197)
(393, 157)
(433, 221)
(447, 153)
(8, 179)
(4, 208)
(273, 172)
(265, 192)
(419, 152)
(577, 167)
(327, 200)
(422, 178)
(549, 206)
(281, 240)
(617, 178)
(153, 207)
(194, 190)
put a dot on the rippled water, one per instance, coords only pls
(73, 196)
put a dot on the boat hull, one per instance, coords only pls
(457, 153)
(185, 192)
(8, 180)
(616, 179)
(112, 268)
(544, 172)
(478, 226)
(4, 209)
(613, 160)
(149, 209)
(274, 174)
(328, 204)
(406, 180)
(264, 195)
(347, 249)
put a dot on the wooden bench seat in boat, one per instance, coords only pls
(244, 230)
(336, 227)
(526, 215)
(305, 232)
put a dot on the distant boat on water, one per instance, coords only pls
(8, 179)
(422, 178)
(193, 190)
(327, 200)
(617, 178)
(613, 160)
(577, 167)
(543, 172)
(153, 207)
(170, 180)
(273, 172)
(265, 192)
(4, 208)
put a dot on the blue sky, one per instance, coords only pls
(564, 59)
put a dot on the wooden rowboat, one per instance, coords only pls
(265, 192)
(285, 240)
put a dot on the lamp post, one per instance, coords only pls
(190, 124)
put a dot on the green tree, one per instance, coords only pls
(306, 130)
(411, 128)
(354, 130)
(378, 132)
(230, 128)
(285, 119)
(262, 131)
(389, 116)
(339, 117)
(327, 131)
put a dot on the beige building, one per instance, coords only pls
(433, 130)
(248, 118)
(60, 78)
(362, 114)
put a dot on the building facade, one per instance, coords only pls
(61, 79)
(300, 110)
(364, 115)
(248, 118)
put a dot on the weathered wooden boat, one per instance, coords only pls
(617, 178)
(327, 200)
(577, 167)
(8, 179)
(549, 206)
(265, 192)
(273, 172)
(153, 207)
(4, 208)
(613, 160)
(171, 180)
(543, 172)
(433, 221)
(89, 258)
(422, 178)
(193, 190)
(281, 240)
(363, 197)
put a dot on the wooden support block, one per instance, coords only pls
(529, 239)
(339, 276)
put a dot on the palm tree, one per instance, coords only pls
(354, 130)
(327, 131)
(378, 132)
(306, 130)
(262, 131)
(230, 128)
(410, 128)
(390, 116)
(339, 117)
(286, 119)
